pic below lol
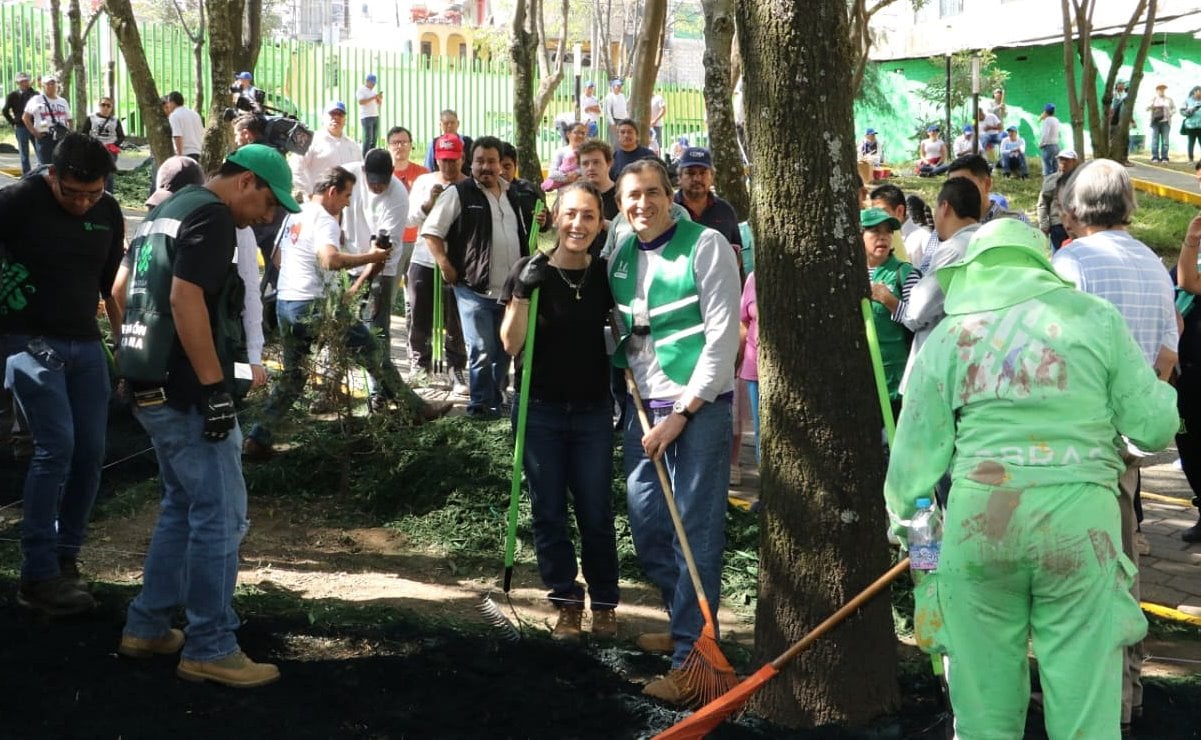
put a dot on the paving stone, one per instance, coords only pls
(1153, 577)
(1164, 595)
(1185, 584)
(1174, 568)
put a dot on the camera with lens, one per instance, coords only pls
(383, 239)
(279, 130)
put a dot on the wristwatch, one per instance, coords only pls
(680, 408)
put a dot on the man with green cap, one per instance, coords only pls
(889, 278)
(1021, 392)
(181, 350)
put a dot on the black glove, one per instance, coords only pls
(219, 413)
(531, 276)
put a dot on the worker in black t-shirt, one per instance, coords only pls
(64, 237)
(181, 368)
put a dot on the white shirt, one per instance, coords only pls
(422, 187)
(301, 278)
(615, 108)
(370, 109)
(964, 144)
(368, 213)
(991, 124)
(43, 109)
(658, 109)
(252, 304)
(590, 101)
(1048, 133)
(325, 152)
(505, 249)
(186, 124)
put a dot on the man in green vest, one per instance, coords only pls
(676, 290)
(177, 352)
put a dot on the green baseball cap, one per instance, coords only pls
(870, 217)
(269, 164)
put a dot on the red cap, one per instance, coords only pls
(448, 146)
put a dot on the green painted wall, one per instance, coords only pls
(1036, 77)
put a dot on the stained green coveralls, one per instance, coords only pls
(1022, 392)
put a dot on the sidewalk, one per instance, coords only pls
(1165, 182)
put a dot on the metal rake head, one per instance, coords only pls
(498, 620)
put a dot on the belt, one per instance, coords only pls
(150, 397)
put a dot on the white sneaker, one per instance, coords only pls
(735, 475)
(459, 385)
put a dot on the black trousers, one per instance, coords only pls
(419, 314)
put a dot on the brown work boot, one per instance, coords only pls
(256, 451)
(143, 647)
(68, 567)
(604, 623)
(57, 597)
(670, 688)
(657, 642)
(433, 410)
(567, 629)
(234, 670)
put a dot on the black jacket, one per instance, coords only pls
(469, 242)
(14, 105)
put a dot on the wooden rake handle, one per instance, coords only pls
(670, 496)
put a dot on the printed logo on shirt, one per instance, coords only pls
(14, 287)
(89, 226)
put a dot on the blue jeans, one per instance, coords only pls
(24, 139)
(44, 146)
(297, 332)
(487, 362)
(193, 555)
(1159, 139)
(370, 133)
(752, 392)
(698, 466)
(1049, 152)
(1015, 164)
(569, 447)
(63, 393)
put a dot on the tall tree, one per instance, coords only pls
(230, 50)
(129, 39)
(72, 70)
(823, 516)
(197, 39)
(648, 53)
(730, 176)
(523, 48)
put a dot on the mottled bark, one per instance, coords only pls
(860, 16)
(522, 51)
(1075, 109)
(729, 175)
(197, 39)
(235, 33)
(553, 72)
(125, 26)
(1122, 137)
(645, 69)
(823, 519)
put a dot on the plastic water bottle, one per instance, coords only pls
(925, 537)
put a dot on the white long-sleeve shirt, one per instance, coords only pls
(252, 305)
(325, 152)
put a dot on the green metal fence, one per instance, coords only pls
(300, 78)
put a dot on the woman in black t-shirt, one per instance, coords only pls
(569, 425)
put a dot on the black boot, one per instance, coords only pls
(1192, 534)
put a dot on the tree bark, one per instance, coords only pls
(1122, 140)
(522, 51)
(1101, 130)
(730, 175)
(1084, 24)
(646, 65)
(197, 39)
(554, 75)
(230, 51)
(125, 26)
(1075, 111)
(823, 517)
(861, 36)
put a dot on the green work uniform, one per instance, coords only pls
(1022, 392)
(894, 338)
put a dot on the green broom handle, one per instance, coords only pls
(438, 321)
(873, 348)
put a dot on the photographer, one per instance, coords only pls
(244, 89)
(47, 117)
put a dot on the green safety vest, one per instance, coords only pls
(895, 339)
(677, 328)
(148, 336)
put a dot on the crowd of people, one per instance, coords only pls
(1015, 356)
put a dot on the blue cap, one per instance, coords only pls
(923, 503)
(615, 83)
(999, 199)
(245, 76)
(695, 156)
(968, 128)
(371, 78)
(933, 127)
(869, 132)
(1049, 108)
(589, 84)
(1012, 128)
(335, 105)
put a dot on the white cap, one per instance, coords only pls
(1067, 154)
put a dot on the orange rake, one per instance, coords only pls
(706, 673)
(703, 720)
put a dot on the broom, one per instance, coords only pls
(437, 340)
(715, 712)
(706, 672)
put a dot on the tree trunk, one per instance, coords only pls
(646, 65)
(554, 75)
(861, 36)
(125, 26)
(1084, 24)
(730, 177)
(823, 518)
(76, 70)
(522, 51)
(1122, 140)
(1075, 111)
(229, 53)
(1102, 131)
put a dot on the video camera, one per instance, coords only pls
(280, 130)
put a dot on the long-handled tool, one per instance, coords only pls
(438, 328)
(706, 672)
(712, 714)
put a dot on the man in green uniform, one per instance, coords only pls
(1021, 392)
